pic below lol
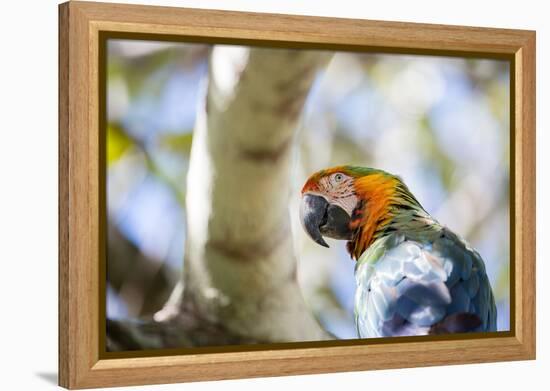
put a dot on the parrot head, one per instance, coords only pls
(353, 203)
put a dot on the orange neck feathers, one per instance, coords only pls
(377, 194)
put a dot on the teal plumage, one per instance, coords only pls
(410, 284)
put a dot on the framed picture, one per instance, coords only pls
(247, 195)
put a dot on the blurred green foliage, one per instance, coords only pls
(118, 143)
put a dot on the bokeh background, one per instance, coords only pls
(440, 123)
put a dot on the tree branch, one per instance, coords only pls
(240, 267)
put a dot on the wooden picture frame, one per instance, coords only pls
(82, 26)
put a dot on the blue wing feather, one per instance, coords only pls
(413, 285)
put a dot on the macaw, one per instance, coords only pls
(414, 276)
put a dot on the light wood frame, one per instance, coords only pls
(81, 363)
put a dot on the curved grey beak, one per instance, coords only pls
(321, 218)
(313, 214)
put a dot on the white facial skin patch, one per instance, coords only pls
(338, 190)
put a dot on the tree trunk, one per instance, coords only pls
(240, 263)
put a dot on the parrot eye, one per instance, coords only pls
(338, 177)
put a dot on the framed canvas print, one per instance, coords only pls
(251, 195)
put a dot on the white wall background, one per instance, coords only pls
(28, 195)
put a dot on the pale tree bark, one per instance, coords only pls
(240, 265)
